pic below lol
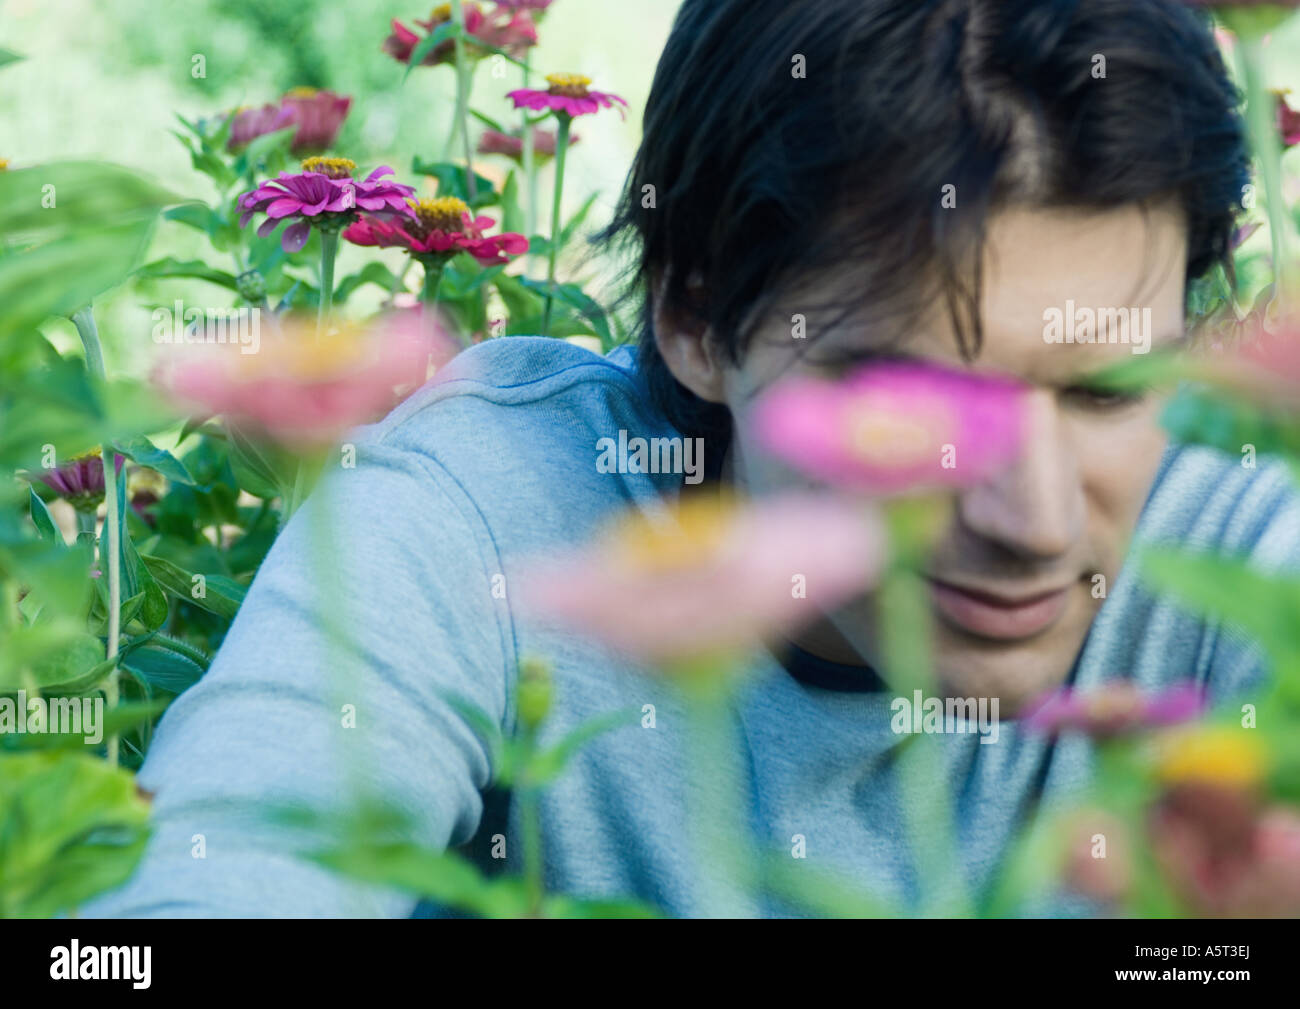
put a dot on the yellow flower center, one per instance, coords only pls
(296, 354)
(95, 453)
(334, 168)
(4, 164)
(1212, 754)
(569, 85)
(885, 437)
(446, 213)
(694, 530)
(441, 13)
(302, 93)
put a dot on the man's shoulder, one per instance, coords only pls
(1203, 499)
(508, 392)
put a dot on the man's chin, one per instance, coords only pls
(1015, 674)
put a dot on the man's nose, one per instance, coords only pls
(1036, 507)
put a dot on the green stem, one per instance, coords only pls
(329, 247)
(464, 75)
(904, 626)
(530, 160)
(432, 280)
(561, 149)
(1260, 121)
(84, 320)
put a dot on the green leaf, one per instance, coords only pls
(195, 269)
(144, 452)
(44, 521)
(488, 121)
(7, 56)
(453, 181)
(443, 877)
(446, 30)
(60, 276)
(1265, 606)
(546, 765)
(373, 273)
(219, 595)
(163, 668)
(71, 827)
(258, 468)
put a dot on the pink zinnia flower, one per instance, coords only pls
(711, 576)
(302, 390)
(324, 194)
(80, 480)
(508, 30)
(512, 144)
(439, 227)
(1112, 710)
(894, 428)
(569, 95)
(318, 114)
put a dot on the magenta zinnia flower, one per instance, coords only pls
(439, 227)
(512, 144)
(511, 31)
(80, 480)
(324, 194)
(1113, 710)
(318, 114)
(710, 576)
(894, 428)
(569, 95)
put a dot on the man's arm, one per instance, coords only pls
(392, 558)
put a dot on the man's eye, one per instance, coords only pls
(1099, 398)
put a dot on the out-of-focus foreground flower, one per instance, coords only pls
(1113, 710)
(301, 390)
(1225, 852)
(317, 113)
(711, 576)
(892, 428)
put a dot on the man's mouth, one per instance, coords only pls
(1003, 614)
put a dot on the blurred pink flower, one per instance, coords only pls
(1225, 857)
(324, 194)
(80, 480)
(710, 577)
(318, 114)
(512, 145)
(894, 428)
(1112, 710)
(1262, 368)
(302, 390)
(438, 227)
(568, 94)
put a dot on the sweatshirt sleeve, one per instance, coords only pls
(373, 606)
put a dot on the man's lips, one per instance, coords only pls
(1002, 615)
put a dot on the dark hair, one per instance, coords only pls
(762, 176)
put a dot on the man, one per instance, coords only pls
(910, 177)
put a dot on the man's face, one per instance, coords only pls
(1013, 581)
